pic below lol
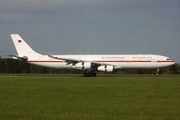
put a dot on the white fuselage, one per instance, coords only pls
(90, 63)
(148, 61)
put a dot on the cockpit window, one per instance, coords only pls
(168, 59)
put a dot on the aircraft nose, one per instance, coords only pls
(173, 62)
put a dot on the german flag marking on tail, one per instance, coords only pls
(19, 41)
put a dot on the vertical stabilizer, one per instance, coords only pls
(22, 48)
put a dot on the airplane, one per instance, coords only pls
(89, 63)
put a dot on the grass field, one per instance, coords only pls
(72, 97)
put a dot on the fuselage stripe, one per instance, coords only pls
(46, 61)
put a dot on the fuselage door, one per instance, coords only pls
(153, 61)
(159, 59)
(40, 58)
(128, 59)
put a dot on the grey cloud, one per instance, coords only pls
(93, 26)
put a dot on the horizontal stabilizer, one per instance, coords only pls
(25, 58)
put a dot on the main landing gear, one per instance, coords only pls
(89, 74)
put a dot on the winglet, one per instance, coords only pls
(50, 55)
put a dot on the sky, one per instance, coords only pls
(92, 26)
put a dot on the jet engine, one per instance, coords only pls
(105, 68)
(82, 65)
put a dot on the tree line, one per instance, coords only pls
(12, 66)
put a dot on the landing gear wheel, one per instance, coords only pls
(94, 74)
(85, 74)
(157, 72)
(90, 74)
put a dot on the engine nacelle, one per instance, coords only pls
(105, 68)
(82, 65)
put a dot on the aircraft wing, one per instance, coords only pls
(74, 61)
(68, 60)
(25, 58)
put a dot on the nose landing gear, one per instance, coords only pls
(157, 72)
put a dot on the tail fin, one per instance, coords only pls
(22, 48)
